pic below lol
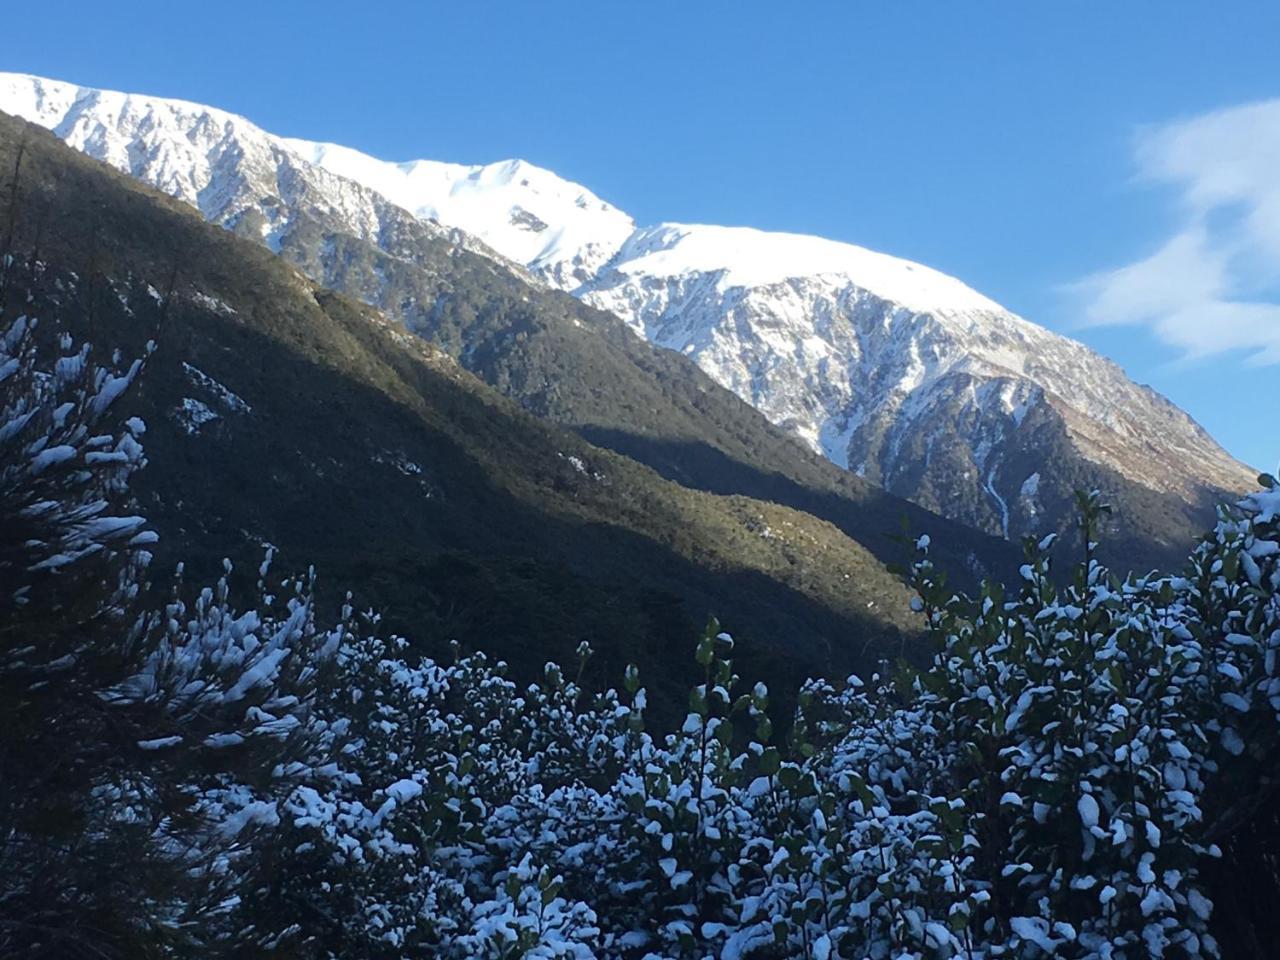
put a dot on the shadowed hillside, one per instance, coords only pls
(281, 413)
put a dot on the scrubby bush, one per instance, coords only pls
(1050, 784)
(139, 747)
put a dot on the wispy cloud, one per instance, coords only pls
(1214, 285)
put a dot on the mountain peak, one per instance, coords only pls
(526, 213)
(747, 257)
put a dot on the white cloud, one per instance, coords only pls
(1211, 287)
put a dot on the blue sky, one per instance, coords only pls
(1081, 163)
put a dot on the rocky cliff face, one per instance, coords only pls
(906, 376)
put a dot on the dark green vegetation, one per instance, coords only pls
(567, 362)
(564, 361)
(402, 477)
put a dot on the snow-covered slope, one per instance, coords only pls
(236, 174)
(743, 257)
(899, 372)
(888, 367)
(559, 229)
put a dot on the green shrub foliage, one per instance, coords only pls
(1054, 782)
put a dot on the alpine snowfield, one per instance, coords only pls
(887, 367)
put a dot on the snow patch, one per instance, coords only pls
(231, 401)
(213, 304)
(191, 415)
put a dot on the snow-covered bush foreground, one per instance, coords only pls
(199, 780)
(1043, 788)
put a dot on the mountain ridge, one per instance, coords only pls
(927, 395)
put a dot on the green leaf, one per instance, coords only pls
(697, 702)
(770, 761)
(705, 649)
(724, 733)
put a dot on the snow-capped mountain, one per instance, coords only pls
(233, 172)
(890, 368)
(560, 230)
(899, 372)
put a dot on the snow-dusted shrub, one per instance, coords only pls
(1043, 787)
(1075, 720)
(137, 749)
(1049, 785)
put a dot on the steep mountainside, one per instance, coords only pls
(559, 358)
(903, 374)
(899, 373)
(280, 412)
